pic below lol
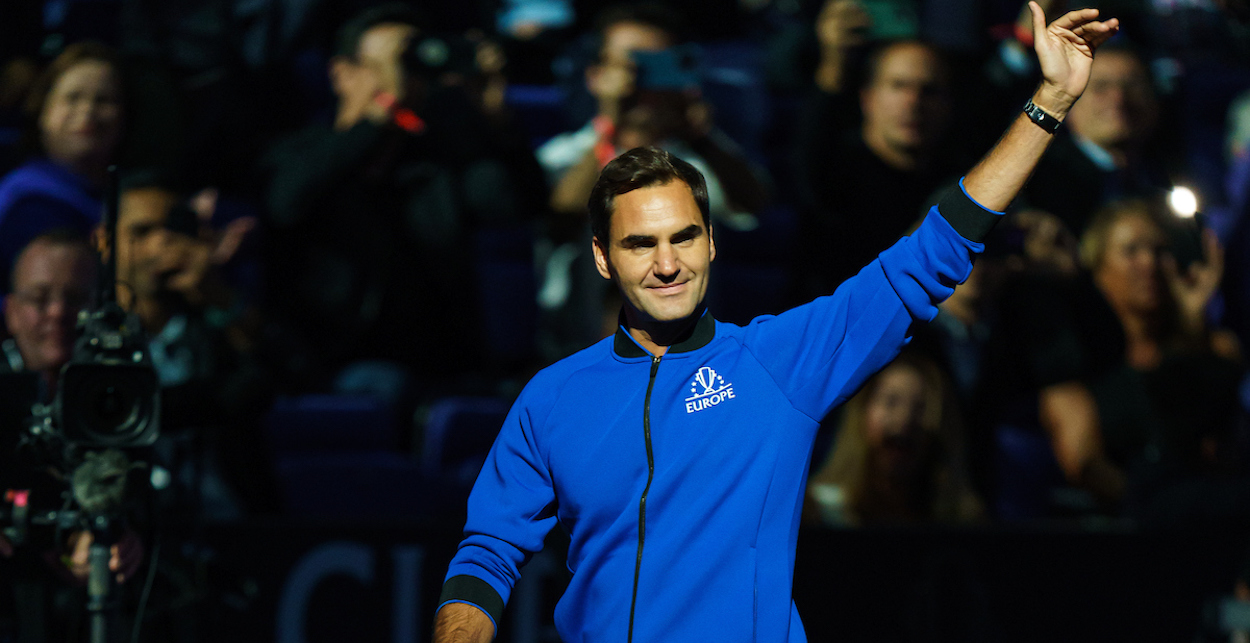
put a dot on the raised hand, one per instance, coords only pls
(1193, 289)
(1065, 52)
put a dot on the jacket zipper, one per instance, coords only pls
(642, 504)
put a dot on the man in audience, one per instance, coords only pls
(169, 274)
(1105, 154)
(863, 183)
(372, 220)
(52, 280)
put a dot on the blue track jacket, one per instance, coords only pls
(680, 479)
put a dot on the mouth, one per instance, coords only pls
(668, 289)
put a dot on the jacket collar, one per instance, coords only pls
(704, 330)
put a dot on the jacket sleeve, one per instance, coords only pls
(511, 510)
(820, 353)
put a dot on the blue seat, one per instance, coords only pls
(330, 423)
(508, 291)
(1026, 473)
(459, 431)
(540, 109)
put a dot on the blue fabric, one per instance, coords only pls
(732, 425)
(38, 197)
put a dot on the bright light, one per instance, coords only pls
(1183, 201)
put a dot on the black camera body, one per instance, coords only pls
(109, 393)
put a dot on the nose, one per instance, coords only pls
(667, 266)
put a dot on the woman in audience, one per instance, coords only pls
(898, 457)
(1151, 386)
(76, 116)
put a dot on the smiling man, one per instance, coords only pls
(675, 452)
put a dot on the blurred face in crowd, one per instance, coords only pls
(658, 253)
(375, 69)
(142, 241)
(1128, 273)
(51, 283)
(612, 78)
(906, 103)
(1118, 107)
(623, 38)
(81, 121)
(894, 417)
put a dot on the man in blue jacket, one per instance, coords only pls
(675, 452)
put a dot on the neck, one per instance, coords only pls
(656, 336)
(94, 170)
(899, 158)
(1141, 332)
(153, 313)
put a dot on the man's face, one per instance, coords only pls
(376, 68)
(141, 240)
(907, 104)
(1119, 105)
(51, 283)
(658, 253)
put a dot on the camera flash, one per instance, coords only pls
(1183, 201)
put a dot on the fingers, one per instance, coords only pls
(1068, 21)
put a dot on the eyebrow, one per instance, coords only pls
(691, 231)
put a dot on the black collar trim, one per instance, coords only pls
(702, 334)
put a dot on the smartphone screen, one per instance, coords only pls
(675, 68)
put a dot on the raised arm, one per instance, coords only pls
(1065, 52)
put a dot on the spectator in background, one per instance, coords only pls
(632, 111)
(863, 182)
(1103, 152)
(371, 220)
(1122, 369)
(76, 117)
(899, 454)
(168, 273)
(52, 280)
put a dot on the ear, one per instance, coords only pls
(711, 244)
(601, 259)
(592, 76)
(99, 241)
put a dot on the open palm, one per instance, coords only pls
(1065, 48)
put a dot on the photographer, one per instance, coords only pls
(370, 221)
(52, 279)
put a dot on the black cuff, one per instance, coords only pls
(966, 216)
(471, 589)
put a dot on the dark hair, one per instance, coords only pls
(641, 167)
(347, 43)
(651, 14)
(37, 99)
(56, 237)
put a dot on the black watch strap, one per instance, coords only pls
(1043, 120)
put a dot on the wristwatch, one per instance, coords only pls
(1043, 120)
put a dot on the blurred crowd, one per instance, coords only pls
(388, 201)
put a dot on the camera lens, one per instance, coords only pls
(113, 410)
(108, 405)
